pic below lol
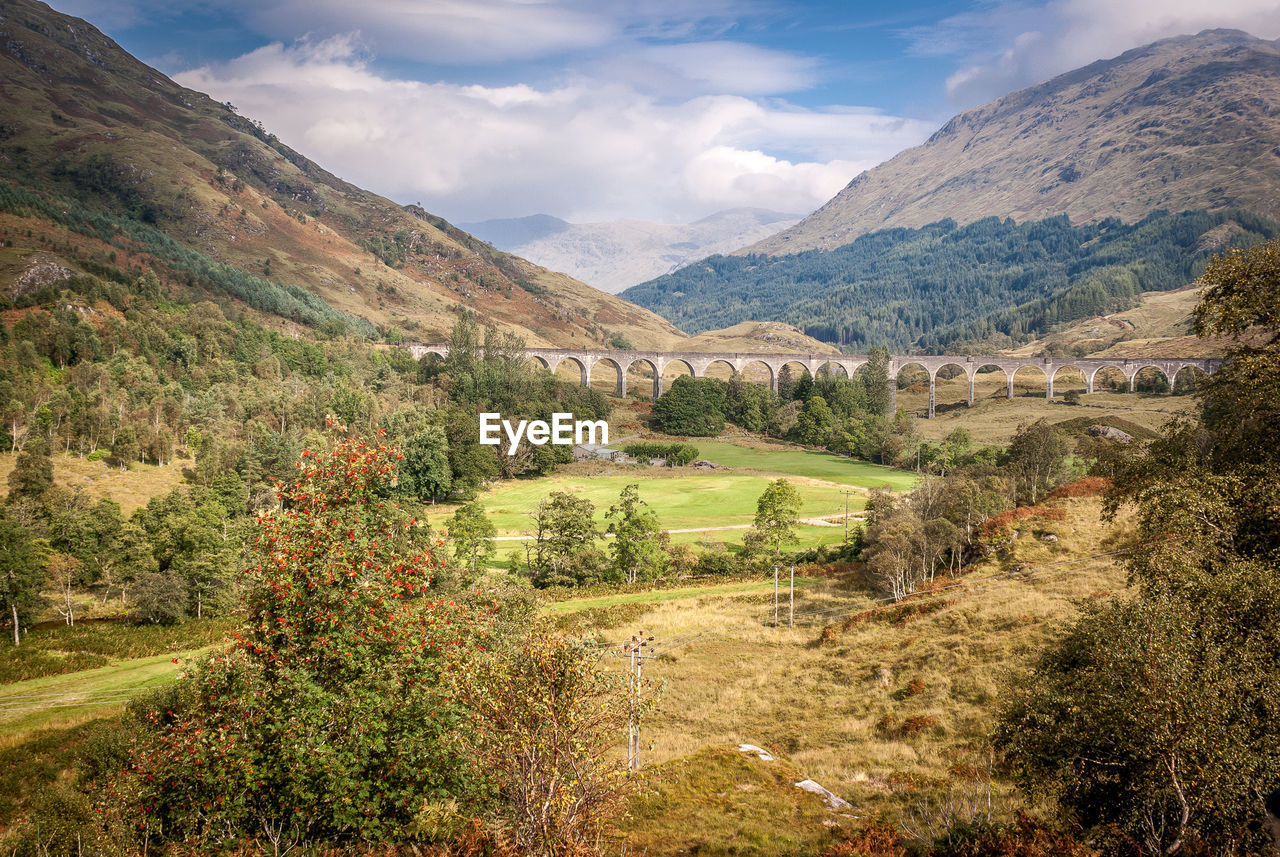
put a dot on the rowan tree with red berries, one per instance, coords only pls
(333, 715)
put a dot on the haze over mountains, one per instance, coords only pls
(108, 163)
(617, 254)
(1055, 203)
(1184, 123)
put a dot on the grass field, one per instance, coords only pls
(993, 419)
(130, 488)
(682, 498)
(660, 595)
(67, 700)
(882, 707)
(786, 459)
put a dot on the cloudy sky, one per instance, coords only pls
(590, 110)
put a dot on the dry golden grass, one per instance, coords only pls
(993, 419)
(879, 712)
(130, 488)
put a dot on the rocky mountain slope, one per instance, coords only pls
(1186, 123)
(617, 254)
(106, 163)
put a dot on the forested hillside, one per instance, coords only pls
(992, 283)
(106, 163)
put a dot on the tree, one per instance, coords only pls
(692, 407)
(776, 515)
(472, 534)
(65, 575)
(564, 540)
(1037, 460)
(132, 558)
(815, 423)
(332, 715)
(21, 576)
(636, 548)
(1158, 713)
(32, 474)
(425, 473)
(875, 374)
(160, 598)
(547, 720)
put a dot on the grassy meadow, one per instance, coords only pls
(883, 705)
(131, 487)
(994, 418)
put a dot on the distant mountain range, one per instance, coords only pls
(1191, 122)
(614, 255)
(1056, 203)
(106, 165)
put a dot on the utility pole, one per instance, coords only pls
(775, 595)
(846, 515)
(634, 650)
(791, 611)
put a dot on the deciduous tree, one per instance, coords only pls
(472, 534)
(635, 547)
(776, 515)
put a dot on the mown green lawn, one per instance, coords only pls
(803, 462)
(63, 700)
(682, 498)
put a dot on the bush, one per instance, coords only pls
(333, 713)
(675, 454)
(718, 563)
(160, 598)
(59, 822)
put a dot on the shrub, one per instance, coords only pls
(160, 598)
(332, 714)
(717, 563)
(675, 454)
(1091, 486)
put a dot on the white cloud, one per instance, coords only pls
(1011, 45)
(586, 149)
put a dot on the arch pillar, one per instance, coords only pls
(932, 385)
(586, 363)
(972, 373)
(773, 375)
(659, 367)
(1010, 375)
(1088, 381)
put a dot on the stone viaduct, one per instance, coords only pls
(697, 363)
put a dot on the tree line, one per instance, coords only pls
(945, 286)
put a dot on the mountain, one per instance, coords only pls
(621, 253)
(988, 284)
(108, 165)
(1183, 123)
(508, 233)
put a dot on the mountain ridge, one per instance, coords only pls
(1184, 123)
(614, 255)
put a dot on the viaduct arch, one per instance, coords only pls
(698, 361)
